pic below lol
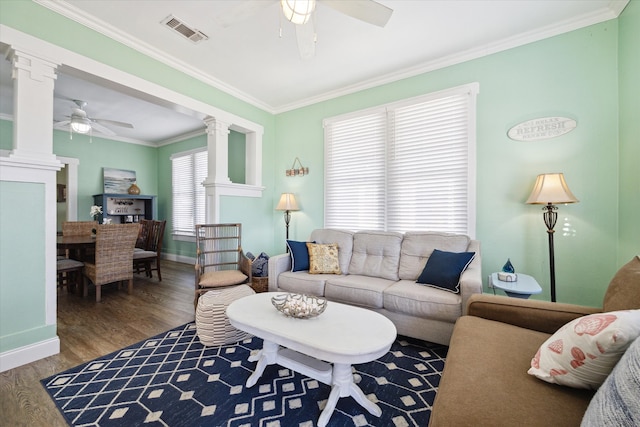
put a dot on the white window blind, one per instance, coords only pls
(188, 171)
(404, 166)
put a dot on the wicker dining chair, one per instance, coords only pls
(220, 261)
(114, 257)
(149, 258)
(79, 228)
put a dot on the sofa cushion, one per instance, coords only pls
(617, 401)
(443, 270)
(408, 297)
(583, 352)
(344, 240)
(353, 289)
(376, 254)
(299, 255)
(417, 247)
(301, 282)
(323, 258)
(485, 383)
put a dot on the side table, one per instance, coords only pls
(524, 287)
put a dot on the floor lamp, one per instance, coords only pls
(550, 189)
(287, 204)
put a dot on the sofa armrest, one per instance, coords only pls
(277, 264)
(541, 316)
(471, 278)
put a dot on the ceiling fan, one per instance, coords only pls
(80, 122)
(299, 13)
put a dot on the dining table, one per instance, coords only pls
(78, 246)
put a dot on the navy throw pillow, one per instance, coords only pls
(443, 270)
(299, 255)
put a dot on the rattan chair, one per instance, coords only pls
(79, 228)
(149, 258)
(114, 257)
(220, 261)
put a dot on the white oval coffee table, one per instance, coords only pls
(323, 347)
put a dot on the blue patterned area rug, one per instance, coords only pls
(173, 380)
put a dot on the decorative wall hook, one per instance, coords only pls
(301, 171)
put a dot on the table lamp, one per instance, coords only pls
(550, 189)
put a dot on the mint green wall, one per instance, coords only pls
(99, 153)
(255, 214)
(22, 289)
(573, 75)
(588, 74)
(629, 70)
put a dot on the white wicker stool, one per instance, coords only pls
(212, 324)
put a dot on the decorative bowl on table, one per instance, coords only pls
(298, 305)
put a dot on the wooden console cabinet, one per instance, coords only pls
(125, 208)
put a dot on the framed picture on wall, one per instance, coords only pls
(118, 181)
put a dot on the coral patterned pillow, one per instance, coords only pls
(583, 352)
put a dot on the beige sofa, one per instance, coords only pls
(379, 272)
(485, 380)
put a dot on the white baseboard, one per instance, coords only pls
(29, 353)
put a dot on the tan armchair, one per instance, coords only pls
(220, 261)
(485, 380)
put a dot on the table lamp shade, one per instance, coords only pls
(287, 203)
(551, 188)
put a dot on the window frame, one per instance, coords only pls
(184, 236)
(469, 90)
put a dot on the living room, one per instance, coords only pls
(587, 73)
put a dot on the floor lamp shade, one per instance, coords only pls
(287, 204)
(550, 189)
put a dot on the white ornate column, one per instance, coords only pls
(218, 148)
(218, 166)
(28, 178)
(33, 83)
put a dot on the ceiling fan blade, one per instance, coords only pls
(306, 37)
(112, 122)
(365, 10)
(242, 11)
(102, 129)
(61, 124)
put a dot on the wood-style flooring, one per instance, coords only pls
(88, 330)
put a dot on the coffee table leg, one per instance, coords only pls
(267, 356)
(344, 386)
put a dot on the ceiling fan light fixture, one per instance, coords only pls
(80, 124)
(298, 11)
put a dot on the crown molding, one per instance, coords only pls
(611, 11)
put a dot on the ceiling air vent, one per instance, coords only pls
(183, 29)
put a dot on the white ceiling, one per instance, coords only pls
(251, 61)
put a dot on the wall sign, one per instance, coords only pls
(542, 128)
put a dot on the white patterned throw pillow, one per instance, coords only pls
(583, 352)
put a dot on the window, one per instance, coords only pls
(404, 166)
(188, 171)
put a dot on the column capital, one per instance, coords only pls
(215, 125)
(38, 69)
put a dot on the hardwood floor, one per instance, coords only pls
(88, 330)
